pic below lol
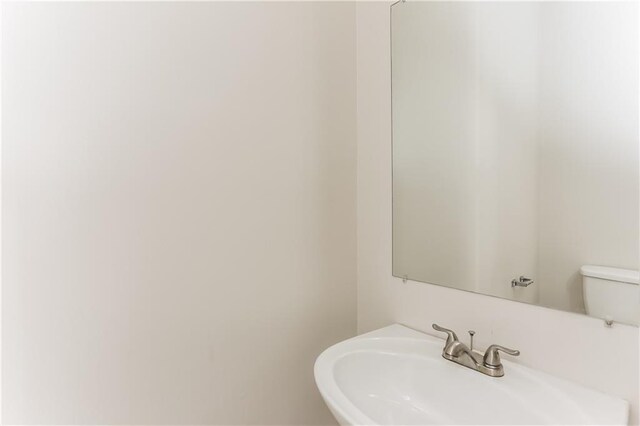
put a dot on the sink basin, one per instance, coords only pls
(397, 376)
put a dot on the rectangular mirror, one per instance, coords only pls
(515, 151)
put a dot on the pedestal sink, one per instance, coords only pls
(397, 376)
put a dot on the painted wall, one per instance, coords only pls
(564, 344)
(179, 224)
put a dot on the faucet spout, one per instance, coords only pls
(460, 353)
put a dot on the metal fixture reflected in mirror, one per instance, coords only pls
(521, 282)
(515, 151)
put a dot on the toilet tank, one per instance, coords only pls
(611, 293)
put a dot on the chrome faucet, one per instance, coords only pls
(489, 363)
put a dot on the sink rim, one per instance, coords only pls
(346, 412)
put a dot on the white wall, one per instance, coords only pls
(178, 210)
(568, 345)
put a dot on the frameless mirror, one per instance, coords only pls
(515, 151)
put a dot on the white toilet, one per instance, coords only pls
(611, 293)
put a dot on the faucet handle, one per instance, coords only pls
(492, 357)
(451, 335)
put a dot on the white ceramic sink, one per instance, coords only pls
(397, 376)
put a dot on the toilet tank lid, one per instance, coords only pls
(612, 274)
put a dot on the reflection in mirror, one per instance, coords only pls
(515, 151)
